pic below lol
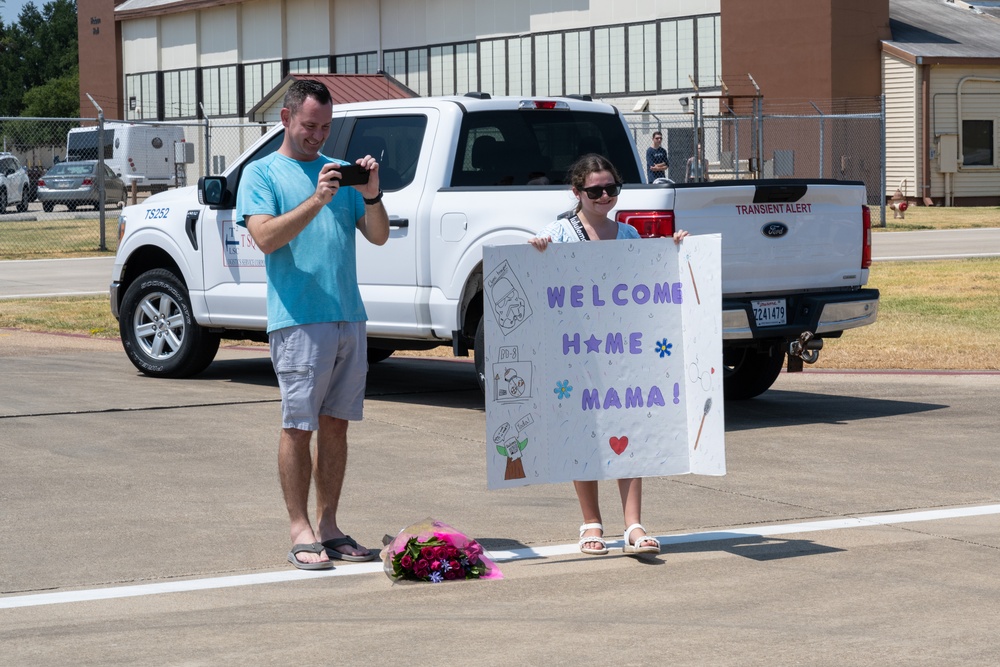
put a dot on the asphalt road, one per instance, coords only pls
(142, 523)
(54, 277)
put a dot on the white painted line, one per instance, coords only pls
(37, 600)
(923, 257)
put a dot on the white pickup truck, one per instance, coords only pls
(460, 173)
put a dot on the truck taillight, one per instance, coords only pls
(649, 224)
(866, 252)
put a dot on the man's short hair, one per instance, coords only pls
(657, 134)
(302, 89)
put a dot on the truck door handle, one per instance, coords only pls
(396, 221)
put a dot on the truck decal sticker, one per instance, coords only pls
(772, 209)
(239, 248)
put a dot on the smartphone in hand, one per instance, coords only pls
(352, 174)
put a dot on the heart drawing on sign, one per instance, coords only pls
(618, 445)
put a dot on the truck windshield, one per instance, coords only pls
(508, 147)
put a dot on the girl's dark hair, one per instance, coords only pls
(302, 89)
(587, 165)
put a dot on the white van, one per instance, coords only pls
(144, 153)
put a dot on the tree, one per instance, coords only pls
(40, 48)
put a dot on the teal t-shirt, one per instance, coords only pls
(313, 278)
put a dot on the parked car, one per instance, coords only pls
(75, 184)
(13, 184)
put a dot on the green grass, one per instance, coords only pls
(62, 237)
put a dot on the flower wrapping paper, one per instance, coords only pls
(431, 550)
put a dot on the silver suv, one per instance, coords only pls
(13, 184)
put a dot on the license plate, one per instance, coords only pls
(769, 313)
(62, 185)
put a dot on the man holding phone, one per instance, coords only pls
(297, 207)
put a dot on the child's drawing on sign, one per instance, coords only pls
(507, 298)
(511, 446)
(511, 377)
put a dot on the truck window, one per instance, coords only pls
(392, 140)
(82, 144)
(274, 143)
(537, 147)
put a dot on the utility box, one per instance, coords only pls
(183, 152)
(947, 151)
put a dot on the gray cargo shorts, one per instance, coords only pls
(322, 369)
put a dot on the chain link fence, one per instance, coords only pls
(62, 215)
(842, 140)
(50, 201)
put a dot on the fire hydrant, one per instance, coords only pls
(898, 205)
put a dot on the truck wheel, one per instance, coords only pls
(158, 331)
(22, 205)
(47, 206)
(750, 372)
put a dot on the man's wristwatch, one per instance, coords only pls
(374, 200)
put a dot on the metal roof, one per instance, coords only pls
(344, 88)
(942, 29)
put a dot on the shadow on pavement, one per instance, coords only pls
(413, 380)
(794, 408)
(754, 547)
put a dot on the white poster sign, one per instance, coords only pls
(603, 360)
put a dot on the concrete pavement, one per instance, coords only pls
(111, 480)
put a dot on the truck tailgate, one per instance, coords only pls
(780, 236)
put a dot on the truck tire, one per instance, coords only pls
(479, 355)
(47, 206)
(750, 372)
(158, 331)
(22, 205)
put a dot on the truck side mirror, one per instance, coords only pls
(212, 190)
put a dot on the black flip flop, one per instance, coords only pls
(333, 543)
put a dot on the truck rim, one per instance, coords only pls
(158, 324)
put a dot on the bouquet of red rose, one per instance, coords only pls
(434, 551)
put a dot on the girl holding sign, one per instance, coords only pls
(596, 185)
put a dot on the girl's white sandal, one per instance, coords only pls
(593, 538)
(635, 548)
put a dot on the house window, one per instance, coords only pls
(442, 73)
(549, 64)
(578, 81)
(493, 66)
(258, 80)
(356, 63)
(977, 143)
(218, 87)
(677, 59)
(320, 65)
(466, 68)
(709, 51)
(642, 57)
(609, 60)
(395, 64)
(145, 91)
(180, 95)
(519, 64)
